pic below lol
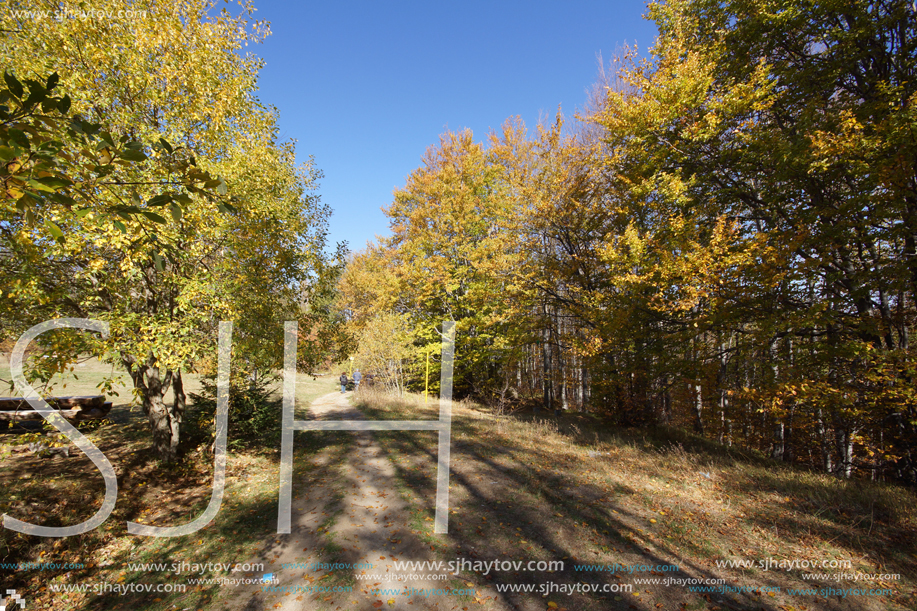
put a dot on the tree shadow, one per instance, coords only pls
(507, 497)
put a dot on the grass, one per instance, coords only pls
(576, 489)
(64, 491)
(522, 488)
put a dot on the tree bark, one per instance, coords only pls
(698, 410)
(165, 420)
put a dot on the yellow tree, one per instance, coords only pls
(765, 154)
(176, 71)
(452, 254)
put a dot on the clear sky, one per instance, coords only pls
(365, 87)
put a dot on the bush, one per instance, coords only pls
(254, 414)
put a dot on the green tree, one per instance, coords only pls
(178, 73)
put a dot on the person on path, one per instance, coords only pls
(343, 381)
(357, 376)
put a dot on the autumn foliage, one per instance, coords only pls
(723, 241)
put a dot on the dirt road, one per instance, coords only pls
(351, 514)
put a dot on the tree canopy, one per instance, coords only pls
(177, 205)
(724, 240)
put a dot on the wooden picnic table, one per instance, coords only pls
(93, 407)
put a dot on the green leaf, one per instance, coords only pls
(36, 87)
(120, 226)
(39, 186)
(159, 200)
(133, 155)
(64, 104)
(13, 84)
(166, 145)
(18, 137)
(54, 230)
(153, 216)
(176, 212)
(55, 182)
(221, 188)
(52, 81)
(36, 95)
(159, 261)
(90, 129)
(62, 199)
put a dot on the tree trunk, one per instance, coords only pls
(721, 383)
(788, 434)
(698, 410)
(180, 401)
(779, 440)
(547, 388)
(666, 414)
(844, 442)
(827, 463)
(165, 420)
(584, 390)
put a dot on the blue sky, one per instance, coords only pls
(366, 87)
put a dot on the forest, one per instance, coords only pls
(723, 240)
(682, 373)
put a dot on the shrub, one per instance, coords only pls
(254, 412)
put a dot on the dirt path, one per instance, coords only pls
(351, 513)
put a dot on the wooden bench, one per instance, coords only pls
(92, 407)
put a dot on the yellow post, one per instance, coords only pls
(426, 386)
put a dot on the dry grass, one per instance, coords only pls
(575, 489)
(522, 488)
